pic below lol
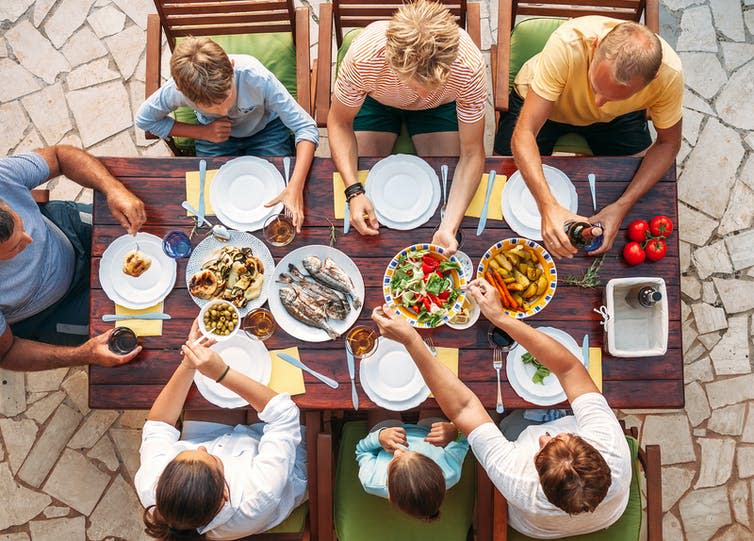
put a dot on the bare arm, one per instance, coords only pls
(293, 195)
(571, 373)
(28, 355)
(88, 171)
(168, 405)
(534, 114)
(345, 155)
(658, 158)
(457, 401)
(466, 180)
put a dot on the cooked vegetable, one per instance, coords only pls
(542, 371)
(220, 319)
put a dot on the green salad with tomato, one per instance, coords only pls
(424, 285)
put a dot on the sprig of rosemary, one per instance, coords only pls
(591, 277)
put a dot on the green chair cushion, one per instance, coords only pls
(627, 527)
(527, 39)
(295, 521)
(275, 50)
(358, 515)
(403, 144)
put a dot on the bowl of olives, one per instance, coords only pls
(219, 320)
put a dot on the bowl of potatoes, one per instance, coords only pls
(219, 320)
(522, 272)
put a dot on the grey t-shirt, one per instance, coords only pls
(41, 274)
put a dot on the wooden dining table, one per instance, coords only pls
(647, 382)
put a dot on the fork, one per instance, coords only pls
(497, 364)
(431, 345)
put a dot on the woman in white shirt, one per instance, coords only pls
(219, 481)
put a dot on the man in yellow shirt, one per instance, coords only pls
(596, 76)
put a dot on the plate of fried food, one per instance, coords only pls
(522, 272)
(424, 285)
(238, 271)
(135, 273)
(316, 293)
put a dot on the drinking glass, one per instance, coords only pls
(499, 339)
(176, 244)
(122, 341)
(361, 341)
(259, 323)
(279, 229)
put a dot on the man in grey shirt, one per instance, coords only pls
(44, 260)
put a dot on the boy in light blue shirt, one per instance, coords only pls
(412, 465)
(242, 109)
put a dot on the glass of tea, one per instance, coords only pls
(259, 323)
(122, 341)
(361, 341)
(176, 244)
(279, 229)
(499, 339)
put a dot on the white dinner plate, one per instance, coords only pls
(240, 189)
(209, 247)
(244, 355)
(520, 374)
(391, 379)
(149, 288)
(404, 191)
(291, 325)
(520, 208)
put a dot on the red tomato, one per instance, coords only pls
(637, 230)
(656, 249)
(660, 226)
(633, 253)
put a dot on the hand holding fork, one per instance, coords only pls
(497, 364)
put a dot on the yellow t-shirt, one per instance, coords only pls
(560, 74)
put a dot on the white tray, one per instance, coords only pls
(635, 332)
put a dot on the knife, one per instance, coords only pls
(593, 188)
(153, 315)
(202, 178)
(346, 219)
(351, 374)
(485, 206)
(298, 364)
(585, 351)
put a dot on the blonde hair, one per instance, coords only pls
(422, 42)
(201, 70)
(633, 49)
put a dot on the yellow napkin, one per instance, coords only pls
(286, 378)
(339, 197)
(495, 209)
(595, 366)
(448, 357)
(142, 327)
(192, 190)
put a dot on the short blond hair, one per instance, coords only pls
(633, 50)
(202, 70)
(422, 42)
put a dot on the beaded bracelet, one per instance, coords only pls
(225, 373)
(353, 190)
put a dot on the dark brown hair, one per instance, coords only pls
(416, 485)
(573, 474)
(189, 495)
(7, 225)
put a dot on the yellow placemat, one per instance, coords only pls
(142, 327)
(595, 366)
(448, 357)
(495, 209)
(192, 190)
(339, 198)
(286, 378)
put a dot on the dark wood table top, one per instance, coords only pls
(649, 382)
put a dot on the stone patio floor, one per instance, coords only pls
(72, 72)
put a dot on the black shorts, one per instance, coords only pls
(623, 136)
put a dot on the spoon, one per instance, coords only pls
(218, 231)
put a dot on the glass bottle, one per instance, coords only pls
(643, 296)
(584, 235)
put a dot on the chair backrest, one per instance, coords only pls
(357, 13)
(181, 18)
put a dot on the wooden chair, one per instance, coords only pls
(345, 14)
(273, 31)
(516, 44)
(473, 478)
(629, 525)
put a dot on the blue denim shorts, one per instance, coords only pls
(274, 140)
